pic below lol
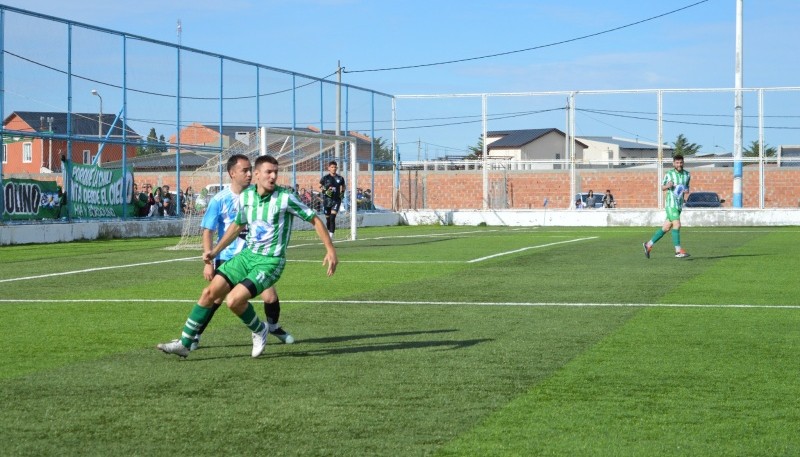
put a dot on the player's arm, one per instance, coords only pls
(208, 269)
(230, 234)
(330, 256)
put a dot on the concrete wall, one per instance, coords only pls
(64, 232)
(604, 218)
(58, 232)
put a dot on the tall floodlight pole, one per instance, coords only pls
(99, 115)
(737, 113)
(338, 151)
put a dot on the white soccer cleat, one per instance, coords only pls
(260, 341)
(331, 235)
(174, 347)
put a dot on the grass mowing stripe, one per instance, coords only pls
(359, 381)
(702, 382)
(758, 271)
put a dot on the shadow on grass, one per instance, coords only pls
(339, 339)
(444, 345)
(714, 257)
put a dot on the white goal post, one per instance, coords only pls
(301, 154)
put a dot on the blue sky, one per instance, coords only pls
(688, 49)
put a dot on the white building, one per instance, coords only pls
(607, 151)
(531, 149)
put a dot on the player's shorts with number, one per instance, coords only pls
(255, 271)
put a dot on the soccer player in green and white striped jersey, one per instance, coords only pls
(268, 211)
(676, 187)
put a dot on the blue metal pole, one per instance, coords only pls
(2, 107)
(372, 148)
(177, 201)
(125, 183)
(68, 169)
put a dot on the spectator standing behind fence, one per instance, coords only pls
(579, 204)
(608, 200)
(139, 202)
(305, 196)
(167, 202)
(591, 199)
(156, 208)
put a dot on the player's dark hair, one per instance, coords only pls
(234, 159)
(332, 162)
(677, 157)
(265, 158)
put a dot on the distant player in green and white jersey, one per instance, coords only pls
(268, 211)
(676, 187)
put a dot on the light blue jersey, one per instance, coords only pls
(221, 212)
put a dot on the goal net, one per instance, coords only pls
(303, 157)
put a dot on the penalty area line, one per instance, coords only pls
(422, 303)
(481, 259)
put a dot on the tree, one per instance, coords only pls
(152, 144)
(382, 155)
(476, 152)
(682, 146)
(753, 150)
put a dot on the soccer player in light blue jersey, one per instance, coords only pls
(267, 210)
(675, 186)
(220, 213)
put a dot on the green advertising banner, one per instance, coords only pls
(30, 199)
(98, 192)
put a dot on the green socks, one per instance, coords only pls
(657, 236)
(250, 319)
(676, 238)
(196, 320)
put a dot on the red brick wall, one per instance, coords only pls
(526, 190)
(631, 188)
(197, 134)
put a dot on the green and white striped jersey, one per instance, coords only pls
(269, 219)
(675, 177)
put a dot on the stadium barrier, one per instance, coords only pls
(64, 232)
(57, 232)
(603, 218)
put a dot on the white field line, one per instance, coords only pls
(49, 275)
(392, 237)
(89, 270)
(480, 259)
(427, 303)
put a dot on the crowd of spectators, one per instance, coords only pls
(149, 201)
(159, 201)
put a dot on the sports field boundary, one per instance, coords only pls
(421, 303)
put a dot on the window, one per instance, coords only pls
(5, 153)
(27, 152)
(87, 156)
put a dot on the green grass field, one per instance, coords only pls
(428, 341)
